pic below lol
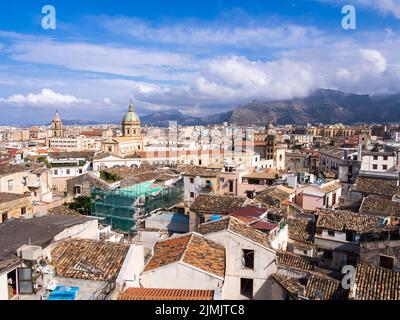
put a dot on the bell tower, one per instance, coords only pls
(57, 126)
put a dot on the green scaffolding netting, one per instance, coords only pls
(120, 208)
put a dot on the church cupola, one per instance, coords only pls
(131, 122)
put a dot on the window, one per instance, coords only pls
(10, 185)
(56, 172)
(248, 259)
(331, 233)
(254, 181)
(384, 167)
(4, 217)
(201, 219)
(327, 254)
(68, 171)
(350, 236)
(192, 194)
(230, 186)
(352, 259)
(386, 262)
(375, 157)
(191, 180)
(199, 162)
(80, 171)
(24, 181)
(77, 190)
(385, 158)
(25, 285)
(23, 211)
(246, 288)
(250, 194)
(375, 167)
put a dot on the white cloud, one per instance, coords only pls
(376, 58)
(244, 34)
(45, 97)
(301, 60)
(152, 64)
(239, 78)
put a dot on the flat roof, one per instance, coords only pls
(38, 231)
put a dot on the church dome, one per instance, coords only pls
(131, 116)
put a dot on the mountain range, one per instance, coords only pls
(322, 106)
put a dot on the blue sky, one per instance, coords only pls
(199, 57)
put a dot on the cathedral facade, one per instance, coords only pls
(131, 140)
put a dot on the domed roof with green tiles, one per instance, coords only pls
(131, 116)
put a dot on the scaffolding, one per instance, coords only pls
(122, 209)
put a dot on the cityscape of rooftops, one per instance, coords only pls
(223, 151)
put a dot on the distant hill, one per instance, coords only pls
(162, 118)
(325, 106)
(322, 106)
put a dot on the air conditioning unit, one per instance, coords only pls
(30, 253)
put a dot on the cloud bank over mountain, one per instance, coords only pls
(197, 66)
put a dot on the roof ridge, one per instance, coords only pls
(182, 256)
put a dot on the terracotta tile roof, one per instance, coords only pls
(331, 187)
(340, 220)
(301, 245)
(11, 169)
(8, 197)
(292, 285)
(235, 225)
(192, 249)
(63, 210)
(321, 287)
(198, 171)
(380, 206)
(206, 255)
(167, 252)
(88, 259)
(217, 204)
(301, 229)
(376, 186)
(374, 283)
(291, 260)
(270, 175)
(165, 294)
(275, 193)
